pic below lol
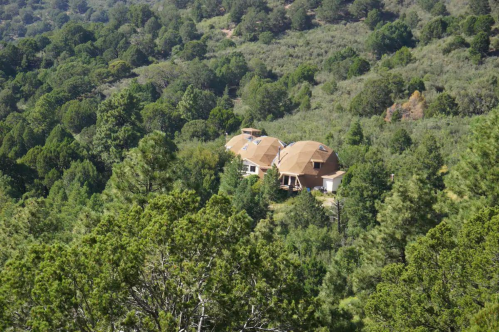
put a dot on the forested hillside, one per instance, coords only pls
(121, 209)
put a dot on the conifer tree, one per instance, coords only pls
(354, 136)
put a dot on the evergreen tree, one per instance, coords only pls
(271, 184)
(190, 105)
(307, 210)
(232, 176)
(354, 136)
(479, 7)
(400, 141)
(117, 127)
(145, 171)
(364, 187)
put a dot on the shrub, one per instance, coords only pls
(330, 87)
(412, 19)
(416, 84)
(400, 141)
(193, 49)
(358, 67)
(455, 43)
(390, 38)
(373, 18)
(266, 37)
(479, 7)
(304, 73)
(434, 29)
(427, 4)
(360, 8)
(225, 44)
(374, 98)
(444, 104)
(300, 20)
(439, 9)
(480, 44)
(402, 57)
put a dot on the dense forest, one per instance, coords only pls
(121, 209)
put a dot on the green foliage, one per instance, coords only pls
(330, 87)
(144, 173)
(427, 4)
(479, 7)
(431, 277)
(455, 43)
(135, 56)
(359, 67)
(193, 49)
(78, 115)
(390, 38)
(374, 98)
(400, 141)
(472, 178)
(361, 8)
(168, 226)
(266, 99)
(363, 190)
(354, 136)
(306, 211)
(198, 129)
(225, 121)
(266, 37)
(434, 29)
(232, 176)
(439, 9)
(415, 84)
(374, 17)
(479, 46)
(300, 20)
(444, 104)
(117, 127)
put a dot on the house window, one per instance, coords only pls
(286, 180)
(317, 165)
(245, 168)
(252, 169)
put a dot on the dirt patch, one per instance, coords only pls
(228, 32)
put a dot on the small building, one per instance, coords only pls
(308, 164)
(257, 152)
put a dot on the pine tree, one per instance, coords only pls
(271, 185)
(354, 136)
(232, 176)
(189, 106)
(307, 210)
(479, 7)
(145, 171)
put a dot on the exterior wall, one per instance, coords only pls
(310, 181)
(247, 166)
(328, 185)
(332, 185)
(337, 182)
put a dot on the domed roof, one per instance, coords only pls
(299, 157)
(237, 142)
(261, 150)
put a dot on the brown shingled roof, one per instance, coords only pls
(237, 142)
(261, 150)
(297, 159)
